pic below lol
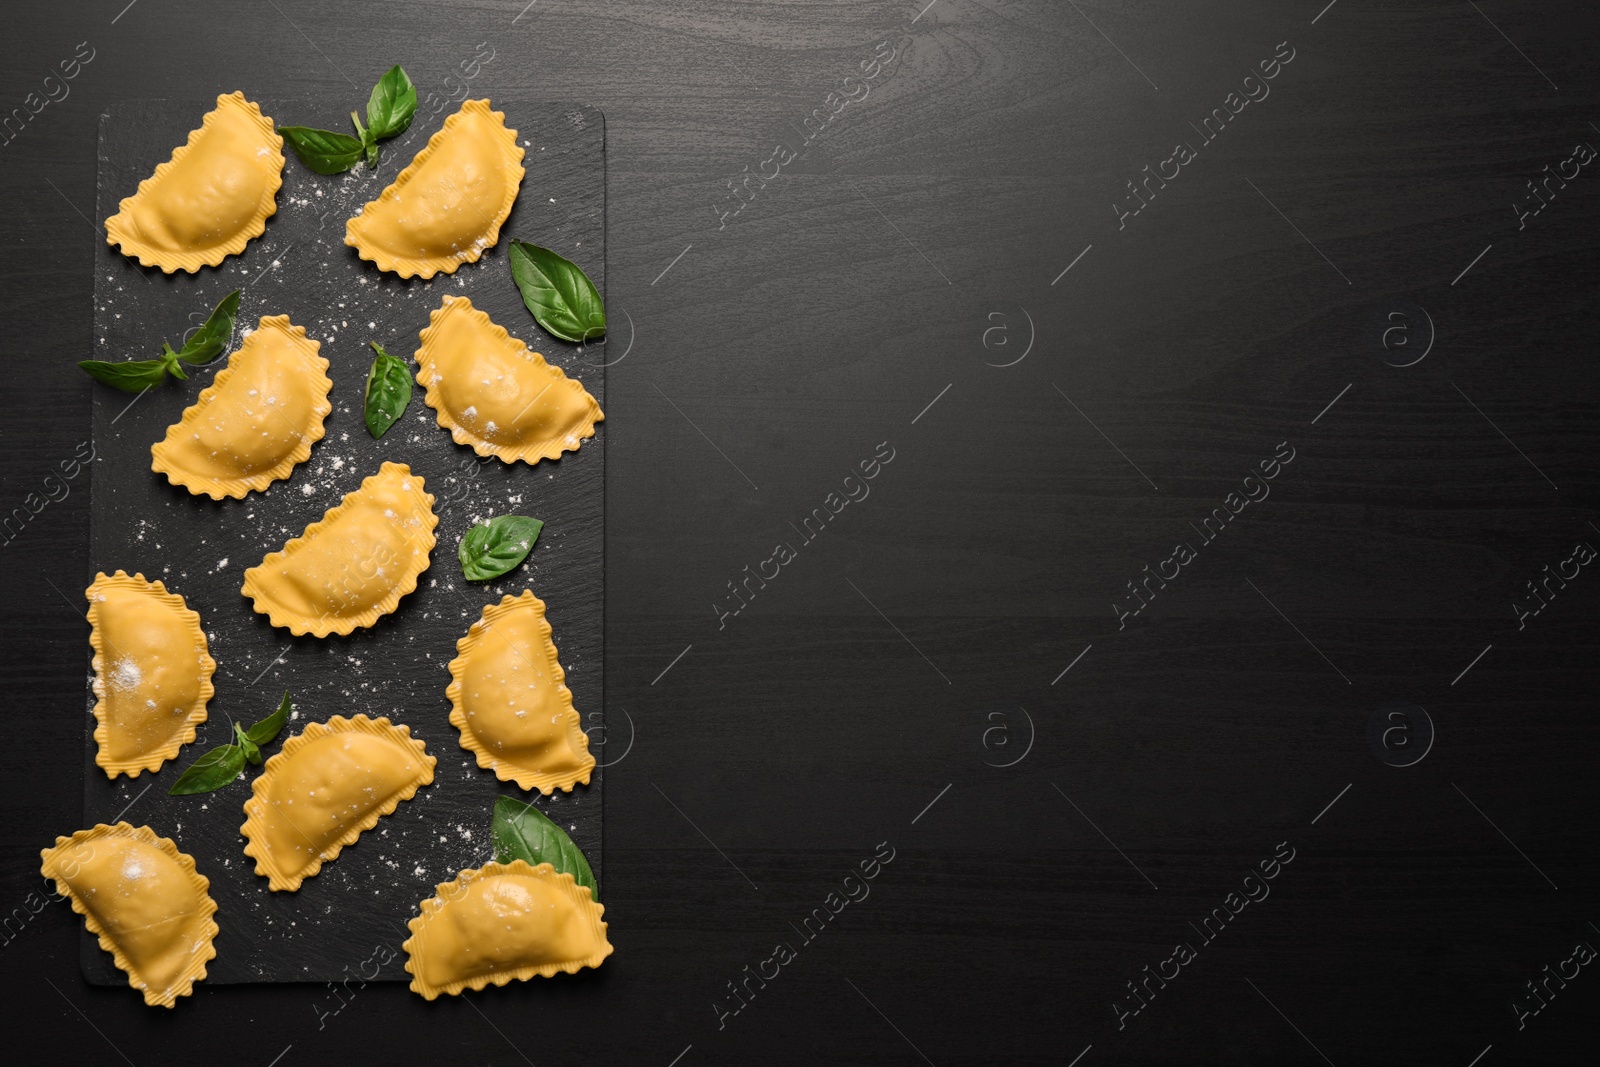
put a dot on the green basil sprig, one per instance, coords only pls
(203, 346)
(225, 763)
(493, 548)
(523, 832)
(389, 112)
(562, 298)
(388, 390)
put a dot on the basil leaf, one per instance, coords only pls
(560, 295)
(491, 549)
(131, 376)
(207, 343)
(393, 103)
(251, 750)
(265, 731)
(210, 772)
(372, 153)
(322, 150)
(522, 832)
(388, 390)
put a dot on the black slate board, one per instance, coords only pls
(350, 919)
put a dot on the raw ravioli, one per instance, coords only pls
(144, 900)
(152, 673)
(255, 421)
(353, 565)
(211, 198)
(509, 699)
(500, 923)
(494, 394)
(326, 787)
(447, 206)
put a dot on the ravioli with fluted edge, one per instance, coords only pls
(144, 900)
(500, 923)
(325, 788)
(256, 421)
(494, 394)
(152, 673)
(448, 205)
(509, 699)
(352, 566)
(211, 198)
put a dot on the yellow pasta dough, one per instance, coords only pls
(211, 198)
(152, 673)
(492, 393)
(509, 699)
(144, 900)
(326, 787)
(353, 565)
(503, 922)
(256, 421)
(447, 206)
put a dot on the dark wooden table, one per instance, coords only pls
(1075, 762)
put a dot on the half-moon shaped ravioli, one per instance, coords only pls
(152, 673)
(447, 206)
(256, 421)
(328, 785)
(353, 565)
(502, 922)
(145, 902)
(510, 700)
(492, 393)
(211, 198)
